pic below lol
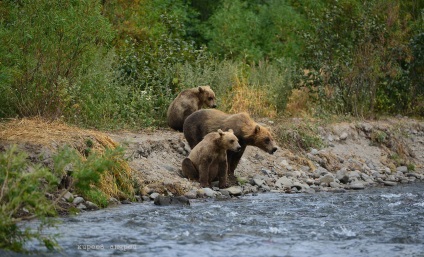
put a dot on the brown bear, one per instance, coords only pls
(248, 132)
(187, 102)
(207, 161)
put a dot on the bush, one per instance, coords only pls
(22, 196)
(50, 55)
(97, 177)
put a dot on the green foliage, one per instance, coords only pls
(299, 136)
(152, 42)
(358, 55)
(50, 55)
(87, 173)
(96, 196)
(22, 196)
(253, 31)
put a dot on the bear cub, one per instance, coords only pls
(187, 102)
(207, 161)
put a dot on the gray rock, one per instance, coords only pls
(326, 179)
(343, 136)
(310, 191)
(258, 182)
(376, 174)
(284, 182)
(234, 190)
(342, 175)
(354, 175)
(171, 200)
(389, 183)
(415, 175)
(265, 188)
(78, 200)
(145, 198)
(366, 127)
(192, 194)
(300, 186)
(266, 172)
(402, 169)
(206, 192)
(68, 196)
(357, 185)
(334, 185)
(91, 205)
(153, 195)
(314, 151)
(224, 192)
(309, 181)
(81, 206)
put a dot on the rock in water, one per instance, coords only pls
(171, 200)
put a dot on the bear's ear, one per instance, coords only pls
(221, 133)
(231, 131)
(200, 90)
(257, 129)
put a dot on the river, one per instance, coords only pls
(383, 221)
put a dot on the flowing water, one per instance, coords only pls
(373, 222)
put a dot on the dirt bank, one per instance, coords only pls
(368, 153)
(355, 155)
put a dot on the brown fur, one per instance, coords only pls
(208, 159)
(202, 122)
(187, 102)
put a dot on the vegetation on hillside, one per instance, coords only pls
(124, 61)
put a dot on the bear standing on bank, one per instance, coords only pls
(248, 132)
(208, 159)
(187, 102)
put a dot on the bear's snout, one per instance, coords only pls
(214, 106)
(273, 150)
(238, 148)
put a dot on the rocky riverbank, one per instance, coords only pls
(352, 156)
(355, 156)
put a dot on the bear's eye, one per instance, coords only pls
(267, 140)
(210, 98)
(231, 141)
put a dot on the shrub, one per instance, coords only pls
(47, 50)
(97, 177)
(22, 196)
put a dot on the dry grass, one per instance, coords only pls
(52, 134)
(56, 134)
(299, 103)
(250, 98)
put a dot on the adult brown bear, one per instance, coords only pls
(208, 159)
(187, 102)
(248, 132)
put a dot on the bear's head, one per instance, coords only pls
(207, 96)
(263, 139)
(229, 141)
